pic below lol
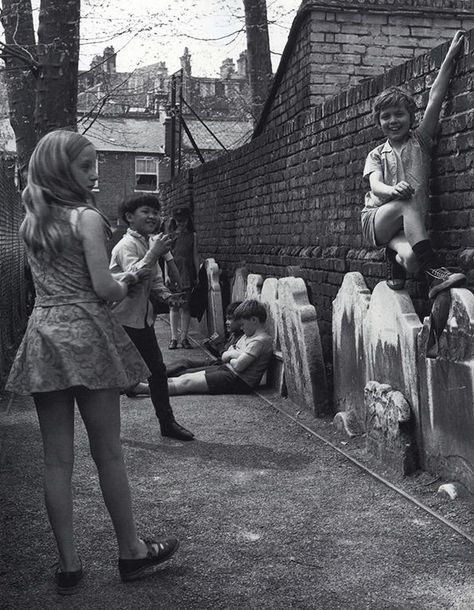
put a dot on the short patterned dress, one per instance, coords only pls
(182, 249)
(72, 337)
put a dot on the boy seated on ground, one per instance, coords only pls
(242, 366)
(192, 365)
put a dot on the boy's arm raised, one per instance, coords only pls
(440, 86)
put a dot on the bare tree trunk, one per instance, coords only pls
(258, 49)
(58, 56)
(20, 59)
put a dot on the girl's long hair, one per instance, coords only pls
(51, 188)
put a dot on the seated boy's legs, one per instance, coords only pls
(213, 380)
(399, 224)
(145, 341)
(188, 365)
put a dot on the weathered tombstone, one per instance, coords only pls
(349, 310)
(214, 318)
(390, 338)
(447, 394)
(239, 284)
(254, 286)
(269, 298)
(388, 423)
(301, 347)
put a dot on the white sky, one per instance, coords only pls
(147, 31)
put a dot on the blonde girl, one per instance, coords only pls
(74, 351)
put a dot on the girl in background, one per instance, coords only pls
(75, 351)
(185, 254)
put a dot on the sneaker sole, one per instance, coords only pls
(141, 571)
(456, 279)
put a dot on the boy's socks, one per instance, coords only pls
(425, 255)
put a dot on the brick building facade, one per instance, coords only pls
(293, 195)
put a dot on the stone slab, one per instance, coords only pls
(239, 284)
(305, 373)
(214, 314)
(447, 394)
(254, 286)
(390, 338)
(390, 436)
(349, 311)
(269, 297)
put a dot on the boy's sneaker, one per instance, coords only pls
(441, 278)
(396, 274)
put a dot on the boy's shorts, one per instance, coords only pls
(368, 226)
(221, 380)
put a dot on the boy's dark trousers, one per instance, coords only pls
(145, 341)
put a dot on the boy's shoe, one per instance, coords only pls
(396, 274)
(67, 582)
(185, 343)
(173, 430)
(173, 344)
(441, 278)
(158, 551)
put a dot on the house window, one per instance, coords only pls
(146, 174)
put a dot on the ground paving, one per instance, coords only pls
(269, 517)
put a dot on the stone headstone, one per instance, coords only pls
(349, 310)
(254, 286)
(390, 338)
(214, 313)
(239, 284)
(447, 394)
(300, 341)
(269, 298)
(389, 434)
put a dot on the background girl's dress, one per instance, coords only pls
(72, 337)
(182, 250)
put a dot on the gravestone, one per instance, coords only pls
(254, 286)
(447, 394)
(269, 298)
(349, 310)
(300, 341)
(390, 338)
(389, 435)
(239, 284)
(214, 314)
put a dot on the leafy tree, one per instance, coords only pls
(41, 72)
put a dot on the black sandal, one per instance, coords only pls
(158, 552)
(67, 582)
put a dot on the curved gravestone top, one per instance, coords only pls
(300, 341)
(457, 341)
(268, 297)
(349, 311)
(239, 284)
(254, 286)
(390, 336)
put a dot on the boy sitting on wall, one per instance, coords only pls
(242, 366)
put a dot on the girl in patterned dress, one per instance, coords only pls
(75, 351)
(185, 254)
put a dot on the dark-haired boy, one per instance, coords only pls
(243, 365)
(192, 365)
(134, 252)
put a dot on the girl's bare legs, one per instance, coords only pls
(400, 225)
(56, 419)
(189, 383)
(174, 323)
(185, 321)
(100, 411)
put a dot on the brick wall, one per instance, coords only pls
(293, 195)
(339, 43)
